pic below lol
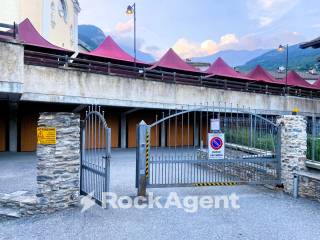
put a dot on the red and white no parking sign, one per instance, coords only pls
(216, 146)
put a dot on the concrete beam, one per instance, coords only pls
(79, 108)
(70, 86)
(131, 111)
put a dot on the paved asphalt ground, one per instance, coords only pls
(17, 172)
(263, 214)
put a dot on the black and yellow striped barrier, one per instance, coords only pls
(215, 184)
(147, 153)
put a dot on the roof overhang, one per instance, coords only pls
(314, 44)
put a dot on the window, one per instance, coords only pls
(63, 9)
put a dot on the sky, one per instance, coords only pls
(197, 28)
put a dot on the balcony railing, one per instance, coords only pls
(9, 30)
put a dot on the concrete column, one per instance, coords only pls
(13, 127)
(293, 148)
(163, 134)
(196, 136)
(123, 130)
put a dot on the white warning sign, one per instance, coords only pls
(216, 146)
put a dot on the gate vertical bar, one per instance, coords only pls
(107, 167)
(278, 153)
(141, 159)
(313, 137)
(82, 152)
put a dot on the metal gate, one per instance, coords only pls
(172, 152)
(95, 155)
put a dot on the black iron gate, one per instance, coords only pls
(95, 155)
(174, 150)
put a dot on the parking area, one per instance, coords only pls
(17, 172)
(263, 214)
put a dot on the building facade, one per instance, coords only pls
(55, 20)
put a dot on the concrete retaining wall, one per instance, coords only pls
(11, 68)
(69, 86)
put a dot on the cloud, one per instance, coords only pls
(155, 51)
(125, 40)
(317, 25)
(124, 27)
(266, 12)
(187, 49)
(253, 41)
(265, 21)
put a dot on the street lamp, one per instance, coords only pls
(283, 48)
(131, 9)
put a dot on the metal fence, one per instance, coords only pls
(95, 155)
(313, 138)
(251, 149)
(9, 30)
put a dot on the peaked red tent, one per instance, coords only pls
(32, 39)
(316, 84)
(111, 50)
(221, 69)
(295, 80)
(171, 60)
(262, 75)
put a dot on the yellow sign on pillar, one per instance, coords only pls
(47, 135)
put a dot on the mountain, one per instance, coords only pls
(91, 36)
(299, 59)
(232, 57)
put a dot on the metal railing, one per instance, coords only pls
(313, 138)
(176, 148)
(9, 30)
(143, 72)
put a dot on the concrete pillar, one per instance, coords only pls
(293, 148)
(123, 130)
(163, 134)
(58, 163)
(196, 136)
(13, 126)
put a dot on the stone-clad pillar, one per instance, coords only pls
(293, 148)
(59, 164)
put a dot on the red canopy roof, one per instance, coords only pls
(173, 61)
(30, 36)
(220, 68)
(295, 80)
(262, 75)
(316, 84)
(110, 49)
